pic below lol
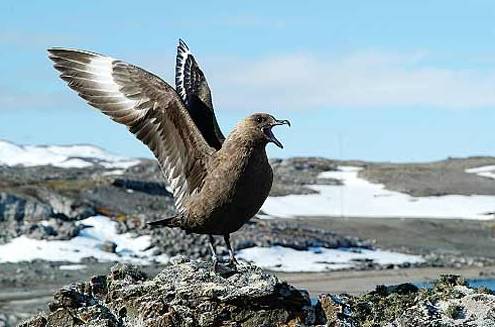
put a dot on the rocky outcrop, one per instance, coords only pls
(45, 202)
(449, 302)
(52, 229)
(257, 232)
(190, 293)
(40, 214)
(13, 211)
(293, 175)
(186, 293)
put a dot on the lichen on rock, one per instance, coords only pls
(185, 293)
(191, 293)
(449, 302)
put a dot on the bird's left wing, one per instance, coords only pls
(148, 106)
(191, 85)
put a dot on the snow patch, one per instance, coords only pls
(87, 244)
(279, 258)
(113, 172)
(361, 198)
(71, 156)
(72, 267)
(484, 171)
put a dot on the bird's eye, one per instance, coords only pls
(259, 119)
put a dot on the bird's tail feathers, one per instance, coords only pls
(167, 222)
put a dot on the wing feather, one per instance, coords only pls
(150, 109)
(191, 85)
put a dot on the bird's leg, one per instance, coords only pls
(213, 251)
(233, 260)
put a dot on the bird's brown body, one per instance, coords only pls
(239, 180)
(218, 184)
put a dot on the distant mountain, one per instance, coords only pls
(68, 156)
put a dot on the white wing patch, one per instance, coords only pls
(92, 77)
(183, 54)
(144, 103)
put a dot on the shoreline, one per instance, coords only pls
(359, 282)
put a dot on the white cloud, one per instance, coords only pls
(366, 79)
(363, 79)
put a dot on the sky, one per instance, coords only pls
(372, 80)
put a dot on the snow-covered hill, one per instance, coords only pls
(357, 197)
(68, 156)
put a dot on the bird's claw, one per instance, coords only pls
(233, 262)
(215, 263)
(225, 268)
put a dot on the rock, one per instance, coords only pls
(22, 210)
(148, 187)
(65, 206)
(89, 260)
(22, 214)
(36, 321)
(257, 232)
(189, 293)
(450, 302)
(185, 293)
(333, 310)
(108, 246)
(293, 175)
(39, 231)
(52, 229)
(15, 209)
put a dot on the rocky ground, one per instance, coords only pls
(190, 293)
(433, 178)
(46, 202)
(443, 242)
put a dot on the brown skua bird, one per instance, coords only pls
(218, 183)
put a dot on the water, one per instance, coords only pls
(488, 283)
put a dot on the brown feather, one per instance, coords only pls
(148, 106)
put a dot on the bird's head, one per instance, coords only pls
(260, 127)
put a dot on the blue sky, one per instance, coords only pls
(374, 80)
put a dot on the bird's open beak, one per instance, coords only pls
(269, 134)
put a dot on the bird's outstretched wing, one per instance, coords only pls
(148, 106)
(191, 84)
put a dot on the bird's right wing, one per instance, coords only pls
(148, 106)
(191, 85)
